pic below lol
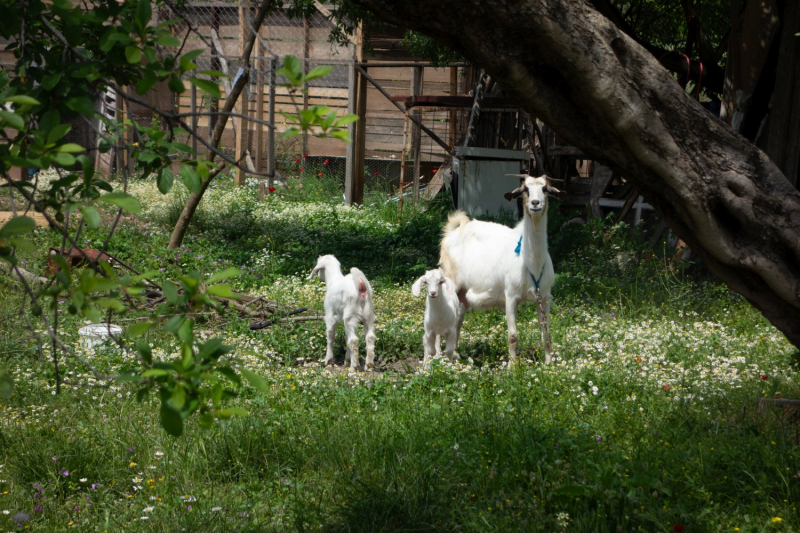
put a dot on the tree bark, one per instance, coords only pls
(601, 91)
(179, 231)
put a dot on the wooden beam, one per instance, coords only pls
(383, 91)
(416, 134)
(262, 67)
(306, 46)
(354, 186)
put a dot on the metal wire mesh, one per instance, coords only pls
(219, 27)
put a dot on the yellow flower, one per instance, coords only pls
(776, 519)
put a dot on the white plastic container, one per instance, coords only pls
(96, 334)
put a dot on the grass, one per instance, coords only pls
(649, 420)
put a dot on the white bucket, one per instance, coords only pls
(95, 334)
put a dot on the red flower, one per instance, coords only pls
(297, 160)
(376, 172)
(638, 359)
(300, 169)
(325, 162)
(648, 256)
(305, 155)
(272, 189)
(764, 377)
(319, 175)
(678, 527)
(435, 170)
(666, 387)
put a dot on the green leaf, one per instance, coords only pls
(187, 60)
(65, 160)
(318, 72)
(71, 148)
(178, 397)
(166, 39)
(170, 291)
(293, 66)
(13, 120)
(49, 81)
(176, 85)
(341, 134)
(155, 372)
(222, 290)
(23, 99)
(17, 226)
(57, 133)
(212, 348)
(225, 274)
(146, 84)
(258, 382)
(190, 179)
(111, 303)
(346, 119)
(165, 179)
(123, 200)
(174, 324)
(215, 73)
(82, 105)
(206, 420)
(143, 13)
(138, 329)
(142, 348)
(91, 216)
(207, 86)
(231, 411)
(202, 170)
(6, 383)
(133, 54)
(171, 420)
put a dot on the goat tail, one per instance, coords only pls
(455, 220)
(362, 286)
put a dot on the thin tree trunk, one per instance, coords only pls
(193, 201)
(601, 91)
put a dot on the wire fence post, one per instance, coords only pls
(351, 131)
(273, 66)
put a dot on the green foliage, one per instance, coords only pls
(65, 56)
(321, 120)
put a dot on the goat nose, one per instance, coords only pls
(433, 293)
(535, 202)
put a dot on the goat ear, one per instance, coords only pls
(515, 193)
(417, 286)
(449, 285)
(316, 269)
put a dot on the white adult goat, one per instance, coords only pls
(492, 264)
(442, 313)
(348, 299)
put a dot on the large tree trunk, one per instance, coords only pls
(566, 63)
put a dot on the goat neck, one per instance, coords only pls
(333, 272)
(534, 240)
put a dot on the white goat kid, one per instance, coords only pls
(348, 299)
(493, 265)
(442, 313)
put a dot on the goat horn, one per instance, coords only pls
(520, 175)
